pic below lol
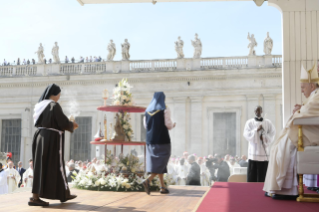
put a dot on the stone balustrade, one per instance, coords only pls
(187, 64)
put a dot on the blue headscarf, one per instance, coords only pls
(157, 103)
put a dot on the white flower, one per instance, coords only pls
(90, 174)
(74, 173)
(102, 181)
(129, 134)
(128, 185)
(112, 182)
(97, 183)
(139, 180)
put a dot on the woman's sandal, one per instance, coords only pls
(164, 190)
(146, 185)
(37, 202)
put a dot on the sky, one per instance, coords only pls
(150, 29)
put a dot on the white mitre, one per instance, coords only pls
(310, 76)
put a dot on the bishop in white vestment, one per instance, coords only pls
(3, 181)
(281, 179)
(182, 172)
(259, 133)
(13, 178)
(28, 176)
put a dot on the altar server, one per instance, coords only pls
(28, 176)
(13, 178)
(281, 179)
(3, 181)
(259, 133)
(157, 122)
(49, 179)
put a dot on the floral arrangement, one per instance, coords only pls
(122, 94)
(129, 163)
(108, 158)
(125, 123)
(113, 182)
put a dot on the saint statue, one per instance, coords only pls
(126, 50)
(197, 47)
(112, 51)
(55, 53)
(268, 44)
(40, 54)
(252, 44)
(179, 48)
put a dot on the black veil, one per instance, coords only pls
(52, 89)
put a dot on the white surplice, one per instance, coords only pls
(204, 175)
(257, 151)
(171, 171)
(3, 182)
(12, 182)
(310, 180)
(182, 172)
(27, 180)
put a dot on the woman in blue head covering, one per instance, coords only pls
(157, 122)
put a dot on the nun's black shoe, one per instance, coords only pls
(69, 198)
(37, 202)
(284, 197)
(313, 188)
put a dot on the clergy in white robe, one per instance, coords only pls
(28, 176)
(232, 164)
(204, 172)
(281, 179)
(182, 172)
(259, 133)
(3, 181)
(13, 177)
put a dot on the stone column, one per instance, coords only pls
(196, 127)
(179, 141)
(300, 21)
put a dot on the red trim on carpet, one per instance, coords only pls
(249, 197)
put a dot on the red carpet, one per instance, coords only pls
(248, 197)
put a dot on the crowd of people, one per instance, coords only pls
(12, 177)
(190, 169)
(66, 60)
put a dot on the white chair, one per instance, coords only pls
(307, 159)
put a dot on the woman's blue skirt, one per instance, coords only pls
(157, 157)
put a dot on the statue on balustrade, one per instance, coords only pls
(40, 54)
(281, 178)
(268, 44)
(55, 53)
(112, 51)
(197, 47)
(179, 48)
(251, 45)
(126, 50)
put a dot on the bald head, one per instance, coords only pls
(10, 164)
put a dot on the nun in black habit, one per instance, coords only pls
(157, 122)
(49, 178)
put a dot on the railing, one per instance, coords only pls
(30, 70)
(6, 70)
(236, 62)
(142, 66)
(226, 62)
(156, 65)
(277, 60)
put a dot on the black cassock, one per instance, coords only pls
(49, 178)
